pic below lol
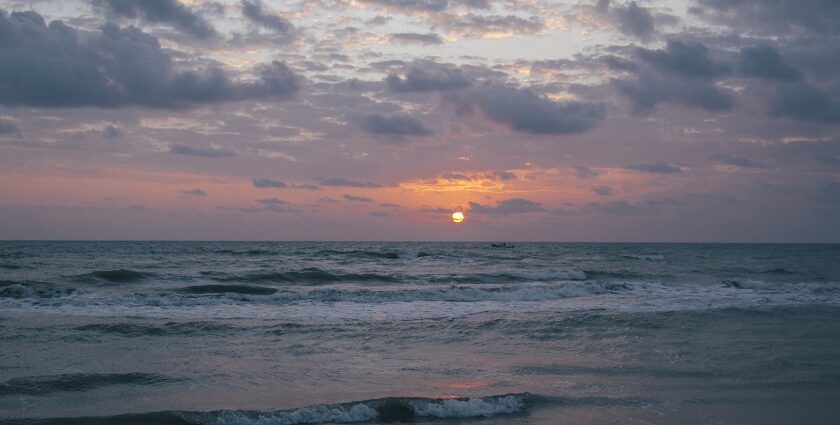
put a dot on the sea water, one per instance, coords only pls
(352, 332)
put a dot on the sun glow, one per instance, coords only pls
(457, 217)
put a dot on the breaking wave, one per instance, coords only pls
(385, 410)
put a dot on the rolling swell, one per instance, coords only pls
(360, 253)
(166, 329)
(384, 410)
(117, 276)
(309, 276)
(229, 289)
(41, 385)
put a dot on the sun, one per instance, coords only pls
(457, 217)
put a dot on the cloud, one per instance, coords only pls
(649, 90)
(415, 38)
(169, 12)
(738, 161)
(687, 60)
(428, 77)
(602, 190)
(357, 198)
(396, 125)
(207, 152)
(773, 16)
(428, 5)
(342, 182)
(111, 132)
(475, 25)
(254, 11)
(268, 183)
(766, 62)
(803, 101)
(658, 167)
(503, 175)
(583, 172)
(305, 186)
(55, 66)
(193, 192)
(8, 128)
(681, 73)
(272, 201)
(526, 112)
(508, 206)
(630, 19)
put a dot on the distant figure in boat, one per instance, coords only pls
(502, 245)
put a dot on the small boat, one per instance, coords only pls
(502, 245)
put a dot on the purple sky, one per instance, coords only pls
(690, 120)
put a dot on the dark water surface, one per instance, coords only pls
(310, 333)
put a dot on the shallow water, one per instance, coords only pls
(283, 333)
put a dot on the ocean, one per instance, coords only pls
(422, 333)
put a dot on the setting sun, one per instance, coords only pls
(457, 217)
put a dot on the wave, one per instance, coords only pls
(13, 289)
(166, 329)
(765, 286)
(40, 385)
(228, 289)
(645, 257)
(118, 276)
(360, 253)
(309, 276)
(248, 252)
(450, 293)
(385, 410)
(522, 276)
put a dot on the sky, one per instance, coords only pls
(566, 120)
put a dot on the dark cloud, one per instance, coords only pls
(305, 186)
(357, 198)
(272, 201)
(766, 62)
(684, 59)
(207, 152)
(630, 18)
(508, 206)
(659, 167)
(8, 128)
(649, 90)
(342, 182)
(266, 183)
(455, 176)
(396, 125)
(503, 175)
(168, 12)
(415, 38)
(803, 101)
(255, 12)
(583, 172)
(773, 16)
(111, 132)
(738, 161)
(602, 190)
(56, 66)
(194, 192)
(428, 77)
(524, 111)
